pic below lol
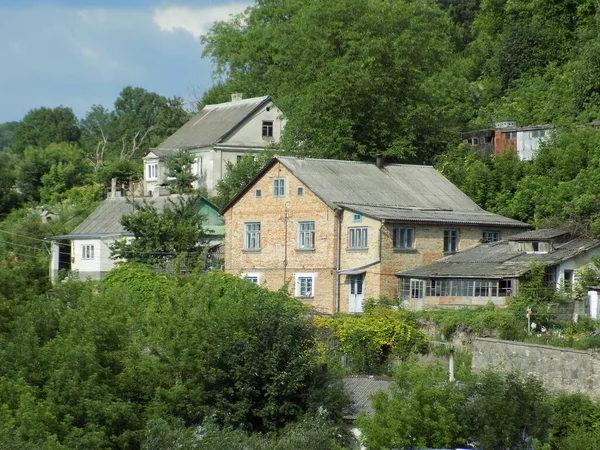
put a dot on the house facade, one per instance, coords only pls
(218, 135)
(506, 136)
(86, 251)
(492, 272)
(336, 232)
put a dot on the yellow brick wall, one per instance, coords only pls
(279, 219)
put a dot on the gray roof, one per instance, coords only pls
(537, 235)
(395, 192)
(360, 388)
(105, 220)
(211, 125)
(497, 260)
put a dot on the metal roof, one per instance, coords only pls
(497, 260)
(210, 125)
(537, 235)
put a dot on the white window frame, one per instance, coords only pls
(305, 285)
(278, 187)
(252, 277)
(403, 238)
(87, 251)
(258, 193)
(306, 235)
(152, 171)
(252, 236)
(451, 240)
(300, 191)
(358, 237)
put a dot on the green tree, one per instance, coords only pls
(162, 236)
(239, 175)
(364, 78)
(44, 126)
(179, 172)
(423, 411)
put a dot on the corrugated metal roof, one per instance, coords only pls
(210, 125)
(360, 388)
(105, 220)
(397, 192)
(543, 234)
(497, 260)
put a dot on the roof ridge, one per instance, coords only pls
(347, 161)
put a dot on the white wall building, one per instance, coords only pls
(217, 135)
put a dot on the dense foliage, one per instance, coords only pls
(118, 365)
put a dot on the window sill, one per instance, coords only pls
(406, 250)
(305, 250)
(299, 297)
(357, 249)
(251, 250)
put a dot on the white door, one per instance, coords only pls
(356, 290)
(417, 294)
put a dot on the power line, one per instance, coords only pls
(22, 235)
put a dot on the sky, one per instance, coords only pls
(77, 53)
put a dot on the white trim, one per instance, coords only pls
(297, 290)
(252, 275)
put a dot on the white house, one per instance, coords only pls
(86, 250)
(217, 135)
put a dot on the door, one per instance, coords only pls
(356, 292)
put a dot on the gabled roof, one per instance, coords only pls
(498, 260)
(106, 218)
(394, 192)
(211, 125)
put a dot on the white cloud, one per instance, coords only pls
(195, 21)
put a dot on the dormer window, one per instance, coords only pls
(151, 171)
(267, 128)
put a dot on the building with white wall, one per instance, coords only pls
(219, 134)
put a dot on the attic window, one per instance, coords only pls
(300, 191)
(267, 128)
(258, 193)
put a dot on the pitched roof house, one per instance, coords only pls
(336, 232)
(217, 135)
(491, 272)
(86, 250)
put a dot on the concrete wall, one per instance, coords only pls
(559, 369)
(94, 268)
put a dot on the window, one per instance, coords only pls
(199, 165)
(538, 133)
(87, 252)
(417, 289)
(252, 277)
(357, 217)
(357, 237)
(279, 187)
(450, 241)
(491, 236)
(151, 170)
(267, 128)
(300, 191)
(404, 237)
(306, 235)
(258, 193)
(475, 141)
(305, 285)
(252, 236)
(510, 135)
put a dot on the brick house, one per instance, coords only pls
(492, 272)
(217, 135)
(337, 232)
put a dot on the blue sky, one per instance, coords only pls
(77, 53)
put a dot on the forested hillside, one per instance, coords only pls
(147, 360)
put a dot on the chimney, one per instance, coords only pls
(236, 97)
(379, 161)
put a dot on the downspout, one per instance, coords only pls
(337, 261)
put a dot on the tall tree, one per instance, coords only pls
(354, 77)
(43, 126)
